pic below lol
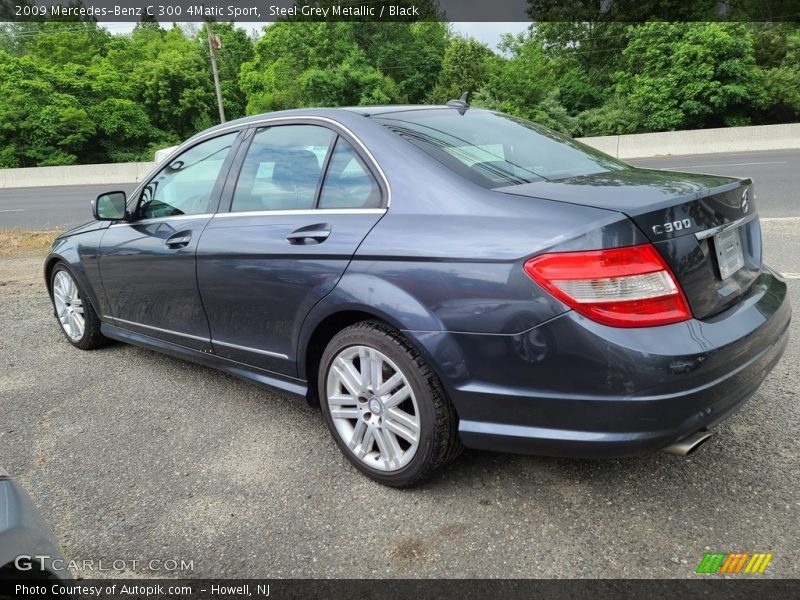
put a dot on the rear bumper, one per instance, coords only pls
(572, 387)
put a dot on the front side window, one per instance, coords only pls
(185, 185)
(283, 168)
(496, 150)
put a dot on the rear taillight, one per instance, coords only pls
(621, 287)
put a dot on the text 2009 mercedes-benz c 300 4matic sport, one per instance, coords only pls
(438, 277)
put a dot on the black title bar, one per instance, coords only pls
(706, 587)
(399, 10)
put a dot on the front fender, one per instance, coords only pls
(80, 253)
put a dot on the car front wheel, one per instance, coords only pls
(75, 313)
(384, 406)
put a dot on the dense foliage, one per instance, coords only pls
(73, 93)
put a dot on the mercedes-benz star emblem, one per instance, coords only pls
(375, 405)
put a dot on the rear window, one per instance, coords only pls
(496, 150)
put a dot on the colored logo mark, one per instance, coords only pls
(734, 562)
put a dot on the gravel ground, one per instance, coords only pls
(131, 455)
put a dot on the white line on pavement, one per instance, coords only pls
(778, 219)
(791, 275)
(770, 162)
(12, 209)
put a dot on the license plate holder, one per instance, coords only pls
(728, 246)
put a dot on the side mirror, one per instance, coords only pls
(109, 206)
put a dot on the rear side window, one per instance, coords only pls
(348, 182)
(496, 150)
(283, 168)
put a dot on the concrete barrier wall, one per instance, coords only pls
(74, 175)
(698, 141)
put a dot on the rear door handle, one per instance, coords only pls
(311, 234)
(179, 240)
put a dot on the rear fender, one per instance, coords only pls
(371, 295)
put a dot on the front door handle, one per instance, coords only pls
(315, 234)
(179, 240)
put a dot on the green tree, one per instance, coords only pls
(170, 79)
(72, 93)
(782, 82)
(410, 54)
(690, 75)
(585, 55)
(337, 64)
(466, 67)
(615, 117)
(38, 124)
(79, 43)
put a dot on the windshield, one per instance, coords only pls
(496, 150)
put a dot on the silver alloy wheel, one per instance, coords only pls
(373, 408)
(69, 306)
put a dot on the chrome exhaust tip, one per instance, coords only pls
(689, 444)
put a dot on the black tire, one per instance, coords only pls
(91, 338)
(438, 423)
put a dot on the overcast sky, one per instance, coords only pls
(488, 33)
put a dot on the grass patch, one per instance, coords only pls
(18, 241)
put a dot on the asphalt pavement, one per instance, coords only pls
(776, 175)
(136, 456)
(52, 207)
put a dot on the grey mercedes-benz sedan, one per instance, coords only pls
(438, 276)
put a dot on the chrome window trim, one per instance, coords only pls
(702, 235)
(246, 349)
(151, 327)
(163, 219)
(267, 120)
(305, 211)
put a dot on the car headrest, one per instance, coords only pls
(298, 168)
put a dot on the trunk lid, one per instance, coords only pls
(705, 226)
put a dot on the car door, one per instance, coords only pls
(303, 201)
(147, 264)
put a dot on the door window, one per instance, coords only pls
(282, 169)
(348, 182)
(185, 185)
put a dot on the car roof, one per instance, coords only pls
(366, 111)
(369, 111)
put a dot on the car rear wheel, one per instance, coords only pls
(75, 313)
(384, 406)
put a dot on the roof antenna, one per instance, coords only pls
(462, 104)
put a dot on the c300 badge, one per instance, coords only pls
(672, 226)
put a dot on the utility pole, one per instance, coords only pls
(213, 44)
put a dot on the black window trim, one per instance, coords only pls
(324, 173)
